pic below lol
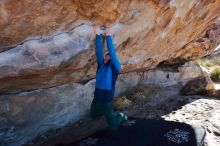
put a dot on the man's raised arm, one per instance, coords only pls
(111, 50)
(99, 46)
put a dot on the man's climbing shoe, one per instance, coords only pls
(124, 117)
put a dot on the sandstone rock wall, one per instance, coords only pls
(49, 43)
(47, 54)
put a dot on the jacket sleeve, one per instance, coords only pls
(112, 53)
(99, 50)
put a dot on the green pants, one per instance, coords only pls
(99, 109)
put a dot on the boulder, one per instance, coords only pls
(215, 93)
(198, 86)
(121, 102)
(47, 54)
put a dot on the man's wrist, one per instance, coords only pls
(98, 35)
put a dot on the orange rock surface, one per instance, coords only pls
(47, 43)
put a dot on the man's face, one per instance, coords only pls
(106, 59)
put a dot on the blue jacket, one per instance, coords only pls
(106, 74)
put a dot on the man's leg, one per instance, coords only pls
(96, 109)
(113, 119)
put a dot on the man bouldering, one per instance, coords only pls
(106, 76)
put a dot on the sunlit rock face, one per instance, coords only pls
(48, 43)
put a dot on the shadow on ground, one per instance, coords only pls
(147, 132)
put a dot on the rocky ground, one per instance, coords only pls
(150, 102)
(197, 110)
(201, 111)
